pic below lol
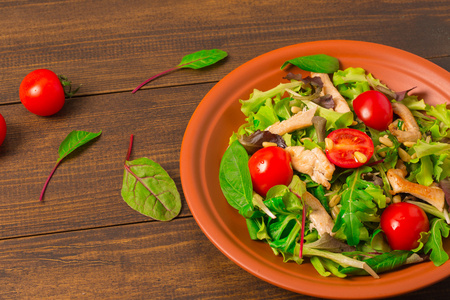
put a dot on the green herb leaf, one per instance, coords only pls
(381, 263)
(319, 63)
(234, 178)
(148, 189)
(197, 60)
(74, 140)
(357, 206)
(202, 58)
(439, 229)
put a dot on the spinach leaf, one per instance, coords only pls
(319, 63)
(434, 245)
(148, 189)
(196, 60)
(202, 58)
(234, 178)
(73, 140)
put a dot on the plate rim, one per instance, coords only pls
(188, 184)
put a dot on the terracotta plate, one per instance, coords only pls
(218, 115)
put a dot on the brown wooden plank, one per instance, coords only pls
(115, 47)
(85, 190)
(142, 261)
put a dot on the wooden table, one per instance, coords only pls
(84, 241)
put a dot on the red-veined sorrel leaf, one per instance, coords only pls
(319, 63)
(148, 189)
(196, 60)
(73, 140)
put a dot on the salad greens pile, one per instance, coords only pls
(357, 197)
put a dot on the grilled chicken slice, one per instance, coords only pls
(411, 132)
(328, 88)
(431, 194)
(312, 162)
(300, 120)
(321, 220)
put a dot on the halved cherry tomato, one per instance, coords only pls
(269, 167)
(2, 129)
(402, 224)
(374, 109)
(349, 148)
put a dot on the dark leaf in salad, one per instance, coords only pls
(373, 177)
(399, 96)
(325, 101)
(445, 186)
(319, 63)
(254, 142)
(293, 76)
(315, 81)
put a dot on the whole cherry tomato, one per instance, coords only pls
(269, 167)
(402, 223)
(42, 93)
(374, 109)
(2, 129)
(348, 148)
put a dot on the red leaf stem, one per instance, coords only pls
(154, 77)
(129, 148)
(41, 197)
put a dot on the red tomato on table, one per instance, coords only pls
(269, 167)
(348, 147)
(402, 223)
(2, 129)
(42, 93)
(374, 109)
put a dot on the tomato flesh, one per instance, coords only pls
(345, 142)
(374, 109)
(402, 224)
(269, 167)
(2, 129)
(42, 93)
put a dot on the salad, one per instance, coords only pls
(339, 170)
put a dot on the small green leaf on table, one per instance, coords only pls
(196, 60)
(148, 189)
(73, 140)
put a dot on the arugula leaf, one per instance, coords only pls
(357, 206)
(318, 63)
(73, 140)
(381, 263)
(438, 229)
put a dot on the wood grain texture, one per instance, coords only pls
(84, 242)
(113, 46)
(140, 261)
(85, 190)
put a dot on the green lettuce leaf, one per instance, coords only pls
(258, 98)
